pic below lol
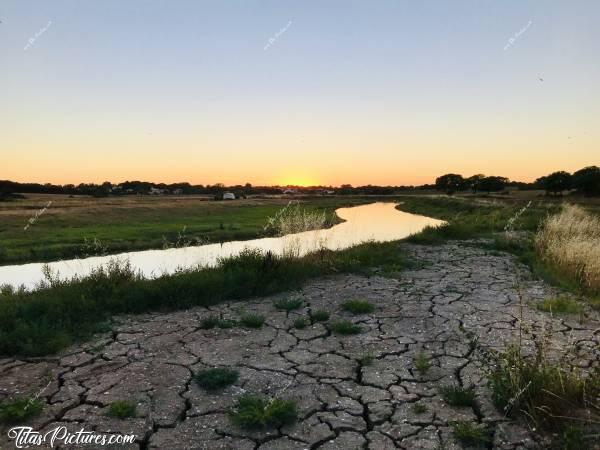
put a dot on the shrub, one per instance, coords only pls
(560, 305)
(319, 315)
(458, 395)
(288, 304)
(211, 322)
(345, 327)
(19, 409)
(366, 359)
(471, 435)
(422, 362)
(217, 378)
(358, 306)
(300, 323)
(254, 412)
(294, 218)
(252, 320)
(122, 409)
(419, 408)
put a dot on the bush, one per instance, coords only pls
(560, 305)
(254, 412)
(211, 322)
(358, 307)
(319, 315)
(422, 363)
(122, 409)
(17, 410)
(252, 320)
(217, 378)
(345, 327)
(471, 435)
(458, 395)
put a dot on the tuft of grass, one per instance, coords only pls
(550, 395)
(471, 435)
(19, 409)
(300, 324)
(419, 408)
(320, 315)
(560, 305)
(288, 304)
(122, 409)
(345, 327)
(252, 320)
(211, 322)
(422, 362)
(366, 360)
(458, 395)
(217, 378)
(254, 412)
(358, 306)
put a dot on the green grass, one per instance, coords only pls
(289, 304)
(217, 378)
(366, 360)
(252, 320)
(253, 412)
(419, 408)
(471, 435)
(560, 305)
(211, 322)
(345, 327)
(320, 315)
(64, 312)
(357, 306)
(133, 223)
(301, 323)
(422, 363)
(458, 395)
(20, 409)
(122, 409)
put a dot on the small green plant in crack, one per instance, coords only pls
(288, 304)
(471, 435)
(419, 408)
(211, 322)
(366, 360)
(320, 315)
(422, 362)
(358, 306)
(122, 409)
(254, 412)
(18, 409)
(300, 324)
(217, 378)
(345, 327)
(251, 320)
(458, 395)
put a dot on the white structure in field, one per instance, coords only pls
(228, 196)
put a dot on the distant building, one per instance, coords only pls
(289, 192)
(228, 196)
(157, 191)
(178, 192)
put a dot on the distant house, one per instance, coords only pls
(228, 196)
(289, 192)
(157, 191)
(178, 192)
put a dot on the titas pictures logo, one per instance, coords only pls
(26, 437)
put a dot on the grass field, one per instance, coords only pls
(130, 223)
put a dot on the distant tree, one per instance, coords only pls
(450, 183)
(587, 181)
(492, 184)
(556, 182)
(474, 182)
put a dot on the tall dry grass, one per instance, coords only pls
(570, 241)
(294, 218)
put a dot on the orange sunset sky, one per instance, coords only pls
(393, 92)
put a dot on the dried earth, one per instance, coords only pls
(461, 298)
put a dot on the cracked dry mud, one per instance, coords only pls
(460, 291)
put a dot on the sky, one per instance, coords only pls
(297, 92)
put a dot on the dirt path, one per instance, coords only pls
(461, 292)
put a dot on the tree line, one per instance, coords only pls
(585, 181)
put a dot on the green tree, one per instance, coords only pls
(450, 183)
(556, 182)
(587, 181)
(492, 184)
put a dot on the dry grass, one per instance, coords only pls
(570, 241)
(294, 218)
